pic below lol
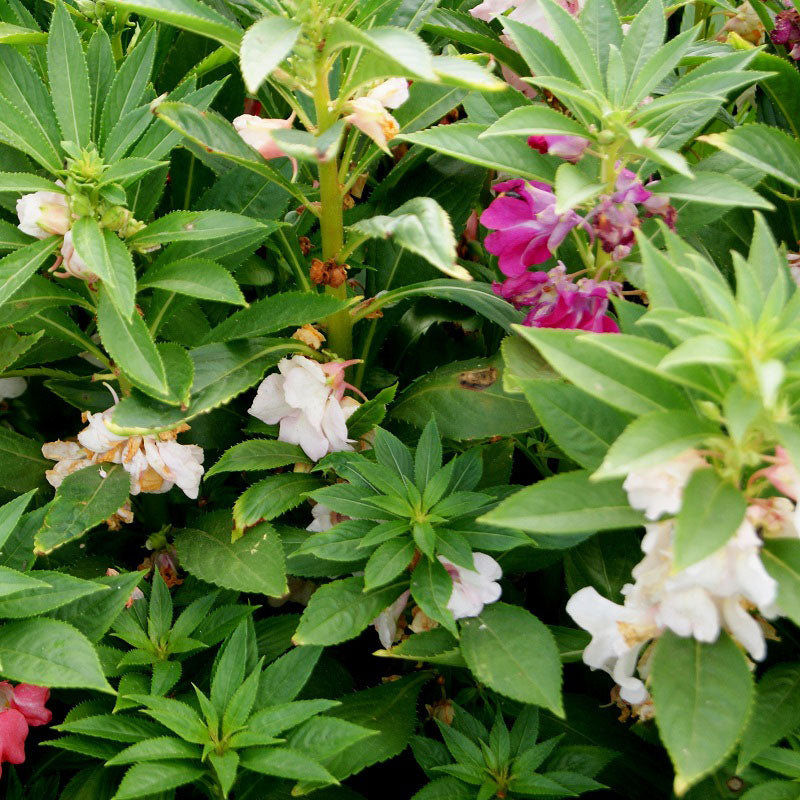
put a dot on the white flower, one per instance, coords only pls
(618, 635)
(371, 118)
(473, 589)
(386, 622)
(528, 12)
(72, 264)
(42, 214)
(324, 518)
(307, 401)
(390, 94)
(659, 490)
(12, 387)
(154, 463)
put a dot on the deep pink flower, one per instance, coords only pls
(524, 290)
(614, 225)
(658, 205)
(787, 32)
(29, 700)
(570, 148)
(13, 732)
(629, 188)
(527, 228)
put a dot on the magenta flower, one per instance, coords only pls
(629, 188)
(570, 148)
(556, 302)
(787, 32)
(527, 229)
(614, 225)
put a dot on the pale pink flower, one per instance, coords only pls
(570, 148)
(72, 264)
(43, 214)
(473, 589)
(257, 132)
(386, 622)
(12, 387)
(371, 118)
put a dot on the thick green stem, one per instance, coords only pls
(339, 326)
(608, 176)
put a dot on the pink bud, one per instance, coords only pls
(257, 132)
(42, 214)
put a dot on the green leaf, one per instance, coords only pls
(129, 343)
(10, 514)
(387, 562)
(573, 187)
(264, 45)
(283, 680)
(512, 652)
(390, 710)
(654, 439)
(113, 727)
(199, 226)
(106, 256)
(253, 563)
(13, 582)
(781, 559)
(48, 652)
(463, 141)
(644, 38)
(22, 182)
(191, 15)
(55, 590)
(428, 456)
(229, 669)
(14, 34)
(710, 188)
(431, 588)
(144, 780)
(156, 749)
(581, 425)
(284, 762)
(702, 695)
(436, 646)
(775, 713)
(710, 514)
(69, 78)
(467, 400)
(196, 277)
(22, 466)
(535, 120)
(257, 455)
(567, 503)
(17, 267)
(21, 131)
(421, 226)
(272, 496)
(768, 149)
(341, 610)
(275, 313)
(83, 500)
(175, 715)
(101, 66)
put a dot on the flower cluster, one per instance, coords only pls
(616, 217)
(719, 591)
(154, 463)
(307, 400)
(555, 301)
(787, 31)
(21, 707)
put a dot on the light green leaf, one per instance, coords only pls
(432, 587)
(23, 182)
(512, 652)
(196, 277)
(258, 454)
(48, 652)
(22, 465)
(710, 188)
(702, 695)
(567, 503)
(14, 34)
(17, 267)
(253, 563)
(421, 226)
(143, 780)
(781, 559)
(573, 187)
(106, 256)
(69, 78)
(264, 45)
(272, 496)
(535, 120)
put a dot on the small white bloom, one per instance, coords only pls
(324, 519)
(179, 464)
(473, 589)
(386, 622)
(308, 403)
(12, 387)
(390, 94)
(72, 264)
(659, 490)
(43, 214)
(371, 118)
(618, 635)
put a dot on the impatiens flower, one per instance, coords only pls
(71, 263)
(618, 636)
(659, 490)
(324, 519)
(557, 302)
(43, 214)
(391, 93)
(29, 700)
(257, 132)
(307, 400)
(570, 148)
(386, 622)
(783, 474)
(13, 732)
(787, 31)
(473, 589)
(369, 112)
(12, 387)
(746, 23)
(793, 260)
(155, 463)
(529, 12)
(527, 230)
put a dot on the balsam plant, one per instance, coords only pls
(395, 365)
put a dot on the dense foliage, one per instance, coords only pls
(399, 398)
